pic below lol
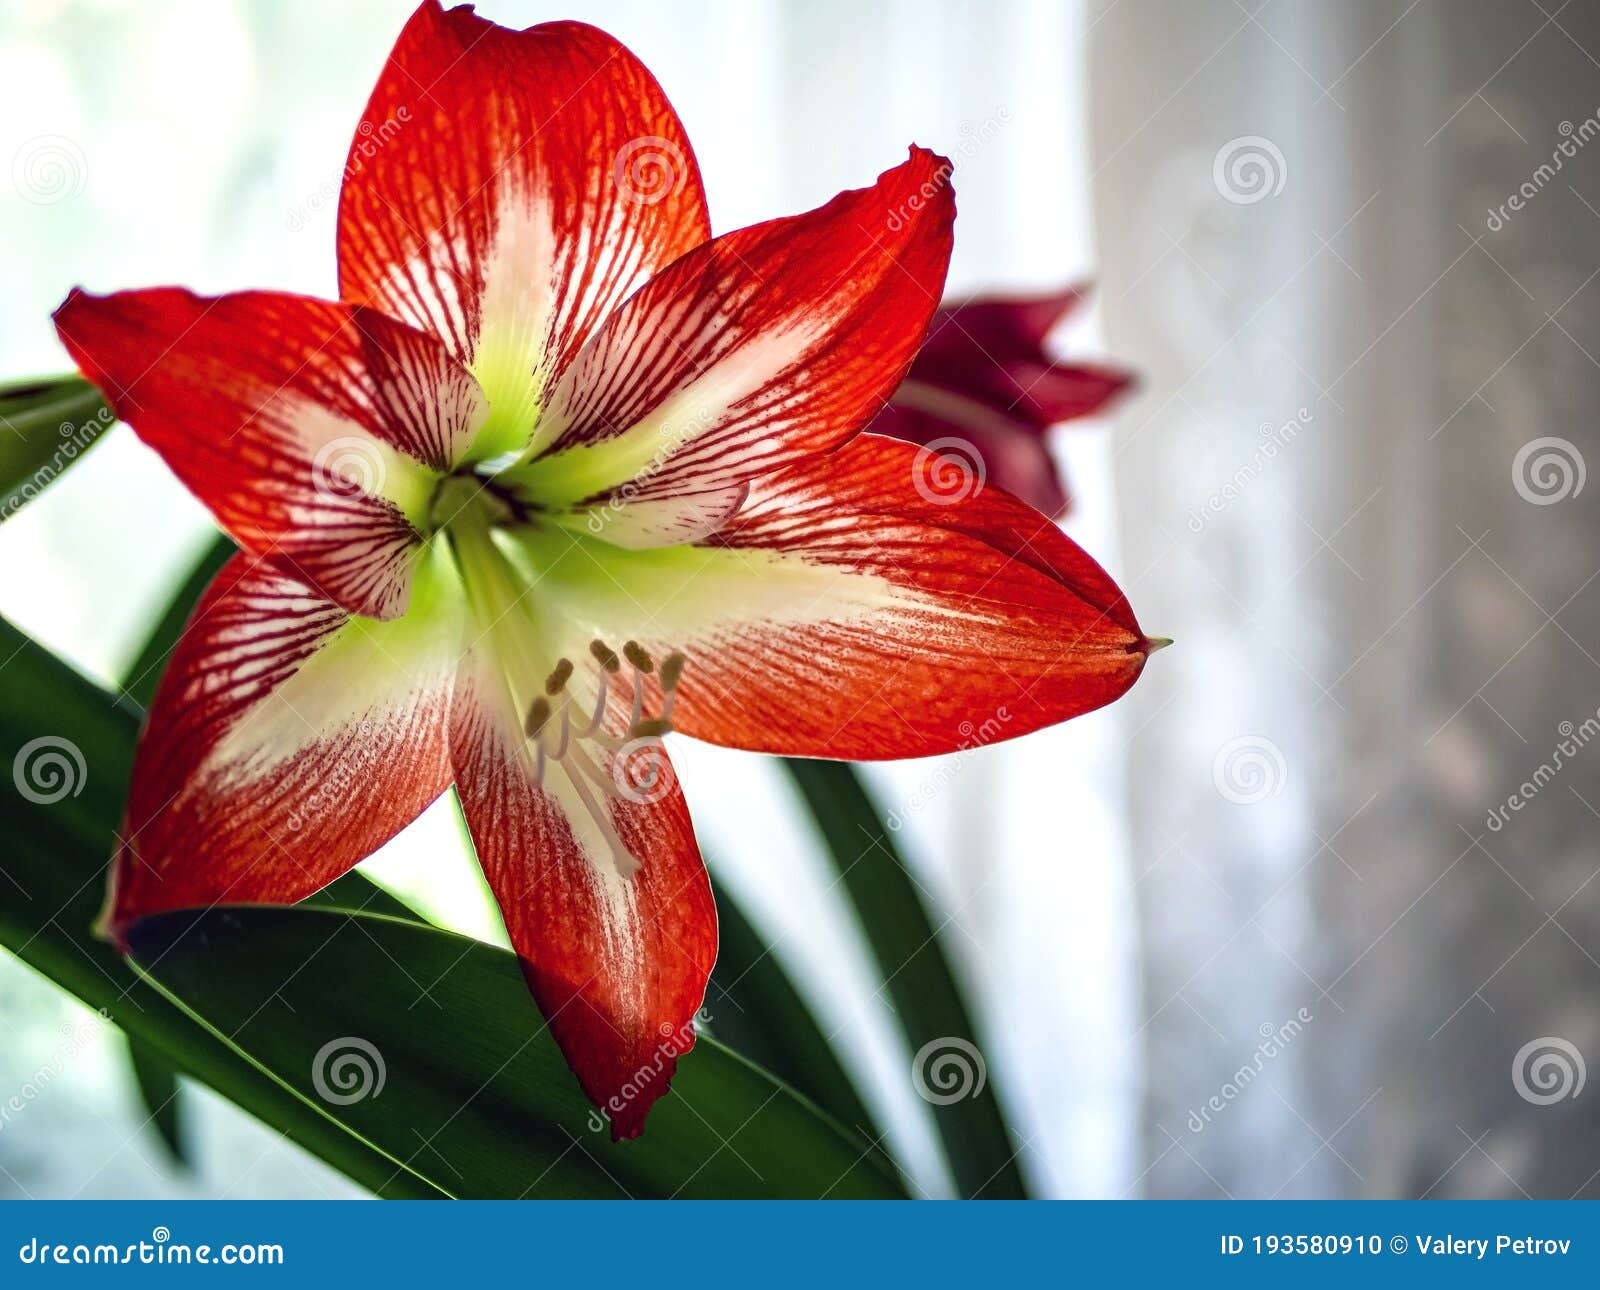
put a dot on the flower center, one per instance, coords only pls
(605, 747)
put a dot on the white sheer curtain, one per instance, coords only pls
(1384, 616)
(205, 137)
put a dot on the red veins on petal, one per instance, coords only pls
(618, 964)
(301, 424)
(285, 743)
(766, 345)
(512, 188)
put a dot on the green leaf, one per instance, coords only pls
(45, 425)
(758, 1012)
(478, 1100)
(917, 974)
(160, 1094)
(52, 878)
(440, 1057)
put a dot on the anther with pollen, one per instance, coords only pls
(558, 731)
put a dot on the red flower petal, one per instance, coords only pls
(617, 964)
(985, 379)
(1012, 452)
(851, 614)
(312, 430)
(1004, 326)
(762, 347)
(287, 741)
(506, 190)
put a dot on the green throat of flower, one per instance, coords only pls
(568, 712)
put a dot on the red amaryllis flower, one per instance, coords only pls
(984, 391)
(558, 473)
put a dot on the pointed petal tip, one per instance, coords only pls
(1150, 644)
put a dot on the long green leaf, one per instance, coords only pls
(45, 425)
(52, 876)
(917, 974)
(758, 1012)
(478, 1102)
(160, 1093)
(439, 1056)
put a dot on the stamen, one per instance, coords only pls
(582, 764)
(600, 813)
